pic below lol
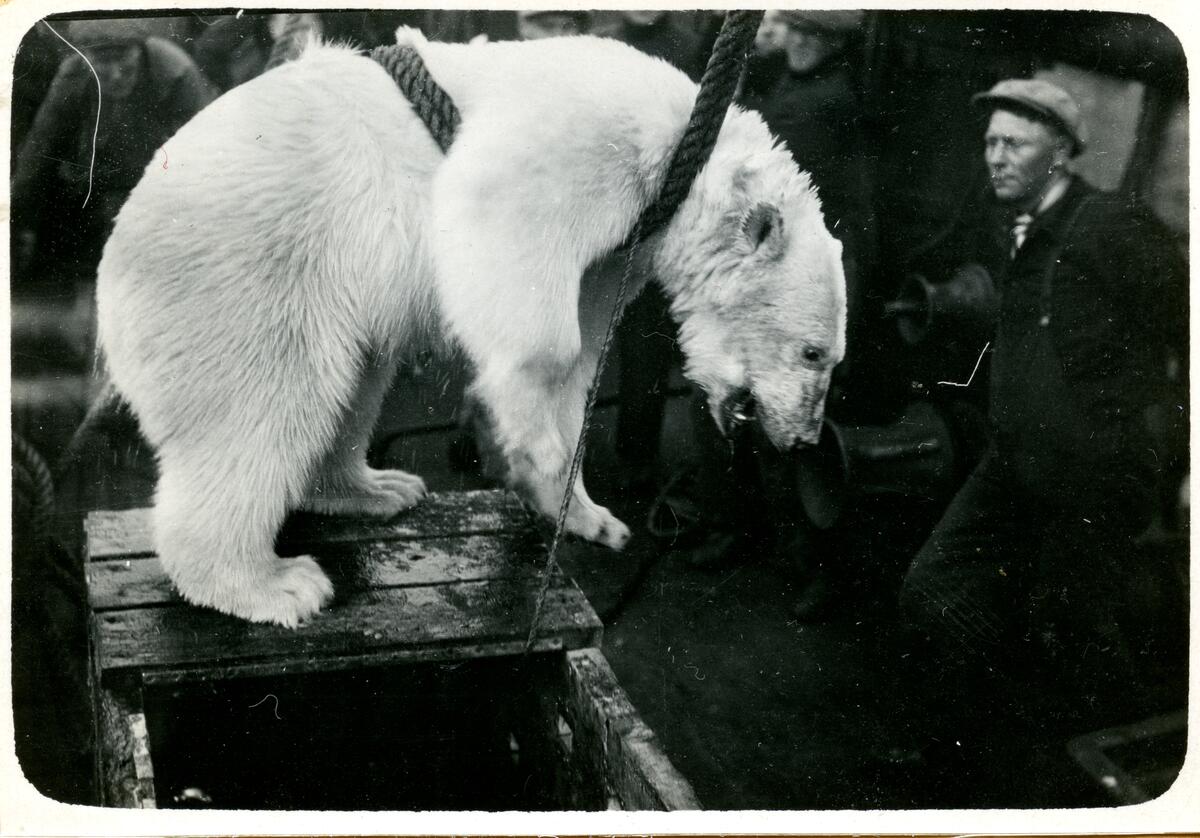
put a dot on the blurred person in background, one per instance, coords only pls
(656, 32)
(233, 49)
(63, 200)
(810, 101)
(551, 23)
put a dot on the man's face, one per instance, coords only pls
(548, 25)
(640, 17)
(1022, 155)
(771, 32)
(807, 48)
(119, 68)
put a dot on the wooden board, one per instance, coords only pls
(424, 622)
(127, 533)
(139, 582)
(611, 738)
(125, 771)
(457, 576)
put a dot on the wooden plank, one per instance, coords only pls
(363, 660)
(118, 533)
(636, 771)
(481, 615)
(135, 583)
(125, 768)
(127, 533)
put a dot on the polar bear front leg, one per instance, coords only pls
(508, 266)
(344, 484)
(537, 409)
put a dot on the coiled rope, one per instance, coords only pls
(717, 88)
(33, 487)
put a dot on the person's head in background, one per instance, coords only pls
(807, 39)
(535, 24)
(115, 49)
(1035, 128)
(643, 17)
(771, 33)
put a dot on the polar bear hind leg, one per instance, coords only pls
(215, 531)
(345, 484)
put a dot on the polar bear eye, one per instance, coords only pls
(812, 355)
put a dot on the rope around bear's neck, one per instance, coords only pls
(717, 88)
(430, 102)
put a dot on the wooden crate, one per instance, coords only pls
(412, 690)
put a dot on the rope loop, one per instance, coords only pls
(717, 89)
(33, 486)
(435, 107)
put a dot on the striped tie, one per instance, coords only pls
(1020, 227)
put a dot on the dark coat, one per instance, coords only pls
(53, 164)
(665, 39)
(818, 117)
(1118, 295)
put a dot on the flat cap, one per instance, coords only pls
(1049, 101)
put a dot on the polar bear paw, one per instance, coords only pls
(376, 493)
(281, 591)
(595, 523)
(296, 590)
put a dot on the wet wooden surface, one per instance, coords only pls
(126, 533)
(457, 576)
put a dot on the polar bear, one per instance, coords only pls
(260, 287)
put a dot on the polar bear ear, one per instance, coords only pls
(745, 177)
(763, 229)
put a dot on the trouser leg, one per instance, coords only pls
(1083, 607)
(960, 603)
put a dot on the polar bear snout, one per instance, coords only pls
(791, 407)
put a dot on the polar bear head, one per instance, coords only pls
(756, 285)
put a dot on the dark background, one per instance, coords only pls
(757, 707)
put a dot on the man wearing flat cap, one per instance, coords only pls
(148, 87)
(1021, 596)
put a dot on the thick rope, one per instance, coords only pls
(435, 107)
(717, 88)
(403, 63)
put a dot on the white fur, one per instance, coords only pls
(257, 290)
